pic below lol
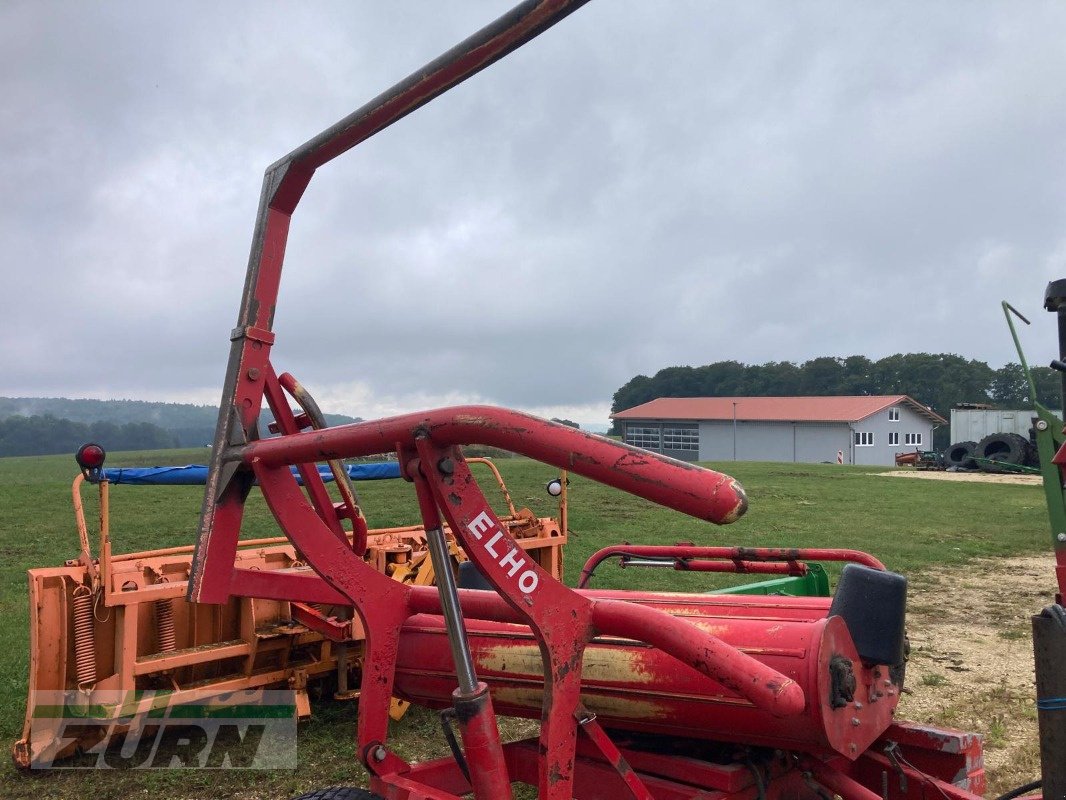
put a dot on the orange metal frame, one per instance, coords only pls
(143, 634)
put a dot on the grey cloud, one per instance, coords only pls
(645, 185)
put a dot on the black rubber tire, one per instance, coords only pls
(1008, 447)
(960, 455)
(1034, 457)
(339, 793)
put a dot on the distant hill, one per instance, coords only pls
(190, 425)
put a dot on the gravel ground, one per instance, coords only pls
(971, 664)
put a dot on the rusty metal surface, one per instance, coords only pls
(258, 642)
(560, 618)
(730, 559)
(696, 491)
(634, 686)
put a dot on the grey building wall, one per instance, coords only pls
(883, 451)
(806, 442)
(774, 441)
(821, 441)
(716, 440)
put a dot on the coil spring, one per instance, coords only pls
(164, 622)
(84, 638)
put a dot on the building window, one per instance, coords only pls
(648, 438)
(681, 439)
(864, 438)
(893, 438)
(912, 438)
(893, 416)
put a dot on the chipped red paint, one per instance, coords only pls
(560, 618)
(684, 487)
(481, 744)
(729, 559)
(592, 729)
(634, 687)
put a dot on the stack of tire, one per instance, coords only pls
(960, 456)
(997, 452)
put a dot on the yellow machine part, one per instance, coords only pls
(122, 623)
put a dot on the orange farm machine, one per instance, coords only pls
(118, 626)
(643, 695)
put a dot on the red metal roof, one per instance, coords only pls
(774, 409)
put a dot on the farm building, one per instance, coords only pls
(865, 430)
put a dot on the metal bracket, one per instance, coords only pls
(892, 751)
(253, 333)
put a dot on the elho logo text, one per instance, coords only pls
(513, 560)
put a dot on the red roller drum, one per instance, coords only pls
(633, 686)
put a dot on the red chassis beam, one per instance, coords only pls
(733, 559)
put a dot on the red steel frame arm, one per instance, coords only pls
(562, 620)
(692, 490)
(382, 603)
(283, 186)
(684, 487)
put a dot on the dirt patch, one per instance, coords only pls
(970, 477)
(971, 664)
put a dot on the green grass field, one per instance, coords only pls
(908, 524)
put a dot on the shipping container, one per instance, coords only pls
(974, 424)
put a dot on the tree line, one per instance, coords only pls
(191, 425)
(47, 435)
(938, 380)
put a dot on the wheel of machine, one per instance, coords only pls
(1006, 447)
(960, 455)
(339, 793)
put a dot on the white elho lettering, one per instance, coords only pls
(480, 524)
(514, 561)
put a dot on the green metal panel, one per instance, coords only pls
(1049, 439)
(814, 584)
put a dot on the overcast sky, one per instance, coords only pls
(645, 185)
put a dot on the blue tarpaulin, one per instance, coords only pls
(196, 474)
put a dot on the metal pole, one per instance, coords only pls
(1049, 647)
(446, 588)
(453, 615)
(1008, 309)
